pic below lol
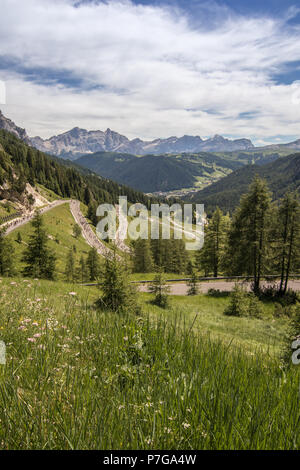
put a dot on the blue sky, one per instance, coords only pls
(155, 68)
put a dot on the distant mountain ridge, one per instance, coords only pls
(78, 142)
(282, 175)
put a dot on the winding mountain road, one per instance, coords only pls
(87, 232)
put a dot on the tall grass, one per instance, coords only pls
(76, 378)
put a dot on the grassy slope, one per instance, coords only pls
(249, 333)
(105, 381)
(58, 222)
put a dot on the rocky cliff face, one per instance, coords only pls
(78, 142)
(10, 126)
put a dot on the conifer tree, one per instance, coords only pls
(192, 283)
(142, 257)
(248, 250)
(286, 245)
(70, 272)
(82, 271)
(211, 256)
(93, 265)
(38, 258)
(76, 231)
(160, 289)
(118, 295)
(6, 256)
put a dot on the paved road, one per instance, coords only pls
(87, 232)
(223, 286)
(17, 223)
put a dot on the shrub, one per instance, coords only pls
(243, 304)
(160, 290)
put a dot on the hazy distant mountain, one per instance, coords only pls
(11, 127)
(77, 142)
(291, 145)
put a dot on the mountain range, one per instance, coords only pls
(77, 142)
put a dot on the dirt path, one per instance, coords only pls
(223, 286)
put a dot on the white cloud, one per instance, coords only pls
(160, 73)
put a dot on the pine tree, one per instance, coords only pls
(160, 289)
(19, 238)
(211, 256)
(93, 265)
(248, 240)
(287, 239)
(82, 271)
(117, 293)
(6, 256)
(76, 231)
(192, 283)
(70, 273)
(39, 259)
(142, 257)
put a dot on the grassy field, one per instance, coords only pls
(59, 225)
(76, 378)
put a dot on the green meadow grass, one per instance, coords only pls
(58, 222)
(76, 378)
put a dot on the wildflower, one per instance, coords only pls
(125, 338)
(186, 425)
(31, 340)
(35, 323)
(37, 335)
(72, 293)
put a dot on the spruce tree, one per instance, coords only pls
(211, 256)
(286, 245)
(70, 272)
(76, 231)
(38, 258)
(6, 256)
(93, 265)
(142, 257)
(192, 283)
(248, 240)
(160, 289)
(82, 271)
(118, 295)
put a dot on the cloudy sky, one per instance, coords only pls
(153, 68)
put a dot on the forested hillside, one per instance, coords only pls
(20, 164)
(282, 175)
(154, 173)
